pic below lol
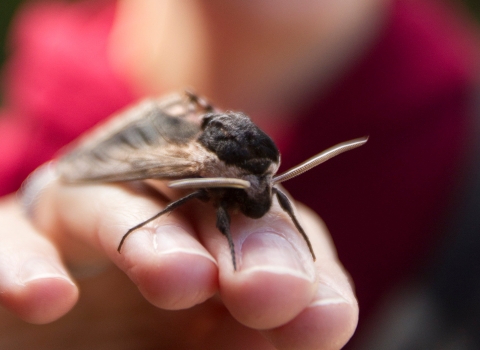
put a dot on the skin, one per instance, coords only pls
(269, 54)
(174, 284)
(277, 293)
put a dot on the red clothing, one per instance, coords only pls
(382, 203)
(58, 83)
(413, 94)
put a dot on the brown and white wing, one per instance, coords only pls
(154, 139)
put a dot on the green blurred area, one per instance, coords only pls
(474, 7)
(8, 8)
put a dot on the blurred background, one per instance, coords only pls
(8, 7)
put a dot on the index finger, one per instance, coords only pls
(164, 259)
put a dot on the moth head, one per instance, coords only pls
(236, 140)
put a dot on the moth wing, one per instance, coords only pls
(153, 139)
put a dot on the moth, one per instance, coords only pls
(221, 156)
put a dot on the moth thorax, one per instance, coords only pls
(237, 141)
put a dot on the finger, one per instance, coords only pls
(34, 284)
(164, 258)
(275, 278)
(330, 319)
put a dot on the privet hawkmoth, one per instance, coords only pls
(223, 157)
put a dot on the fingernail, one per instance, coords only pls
(273, 253)
(327, 295)
(39, 268)
(172, 239)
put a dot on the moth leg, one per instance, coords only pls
(172, 206)
(287, 207)
(201, 102)
(223, 225)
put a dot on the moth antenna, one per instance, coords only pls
(172, 206)
(319, 159)
(210, 182)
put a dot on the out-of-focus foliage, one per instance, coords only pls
(7, 9)
(474, 7)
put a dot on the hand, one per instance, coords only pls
(178, 262)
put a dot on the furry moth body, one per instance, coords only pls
(223, 157)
